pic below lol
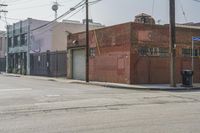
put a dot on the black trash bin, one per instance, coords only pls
(187, 78)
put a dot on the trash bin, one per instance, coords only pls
(187, 78)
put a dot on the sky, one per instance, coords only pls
(106, 12)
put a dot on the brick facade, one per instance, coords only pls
(134, 53)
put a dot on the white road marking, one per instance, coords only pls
(52, 95)
(19, 89)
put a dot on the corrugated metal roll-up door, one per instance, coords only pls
(79, 64)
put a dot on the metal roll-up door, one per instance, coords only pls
(79, 64)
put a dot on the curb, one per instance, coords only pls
(140, 88)
(106, 84)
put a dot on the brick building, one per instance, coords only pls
(132, 53)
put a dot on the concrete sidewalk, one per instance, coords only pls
(159, 87)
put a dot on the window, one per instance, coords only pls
(188, 52)
(9, 41)
(153, 51)
(92, 52)
(16, 40)
(24, 39)
(196, 53)
(164, 52)
(143, 51)
(1, 43)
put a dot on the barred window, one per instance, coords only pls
(186, 52)
(196, 52)
(143, 51)
(153, 51)
(164, 52)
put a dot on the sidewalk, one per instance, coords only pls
(159, 87)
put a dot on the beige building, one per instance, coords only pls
(54, 37)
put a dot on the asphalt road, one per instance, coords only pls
(40, 106)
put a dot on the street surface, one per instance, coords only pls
(30, 105)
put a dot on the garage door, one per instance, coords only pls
(79, 58)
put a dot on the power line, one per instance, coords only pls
(183, 11)
(57, 24)
(63, 15)
(197, 0)
(153, 5)
(25, 8)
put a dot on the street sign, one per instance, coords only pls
(195, 38)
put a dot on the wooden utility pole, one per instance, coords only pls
(87, 42)
(172, 41)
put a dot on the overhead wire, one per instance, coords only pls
(57, 24)
(36, 6)
(183, 11)
(153, 5)
(63, 15)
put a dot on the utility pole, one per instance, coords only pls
(172, 45)
(87, 42)
(4, 11)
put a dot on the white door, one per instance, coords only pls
(79, 64)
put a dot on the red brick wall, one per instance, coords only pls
(151, 69)
(111, 62)
(117, 59)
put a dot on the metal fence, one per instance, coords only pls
(49, 64)
(2, 64)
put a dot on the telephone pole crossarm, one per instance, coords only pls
(3, 5)
(3, 11)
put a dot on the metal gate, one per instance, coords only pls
(2, 64)
(49, 64)
(79, 63)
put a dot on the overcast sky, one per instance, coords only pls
(107, 12)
